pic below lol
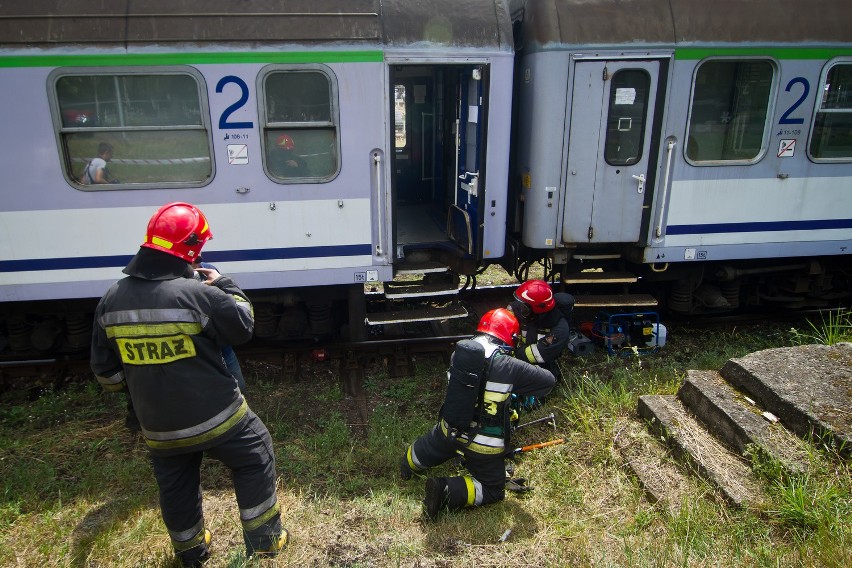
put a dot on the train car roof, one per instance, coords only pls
(131, 24)
(554, 23)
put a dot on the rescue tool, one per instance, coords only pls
(551, 418)
(530, 447)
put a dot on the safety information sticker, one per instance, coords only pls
(786, 148)
(237, 154)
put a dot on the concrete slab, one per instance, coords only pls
(738, 423)
(809, 388)
(690, 441)
(664, 483)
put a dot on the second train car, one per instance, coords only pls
(701, 149)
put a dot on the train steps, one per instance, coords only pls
(764, 405)
(420, 292)
(603, 278)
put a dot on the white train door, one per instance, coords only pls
(609, 138)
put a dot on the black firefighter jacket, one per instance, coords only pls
(160, 334)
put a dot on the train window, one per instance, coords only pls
(831, 137)
(625, 128)
(729, 111)
(152, 123)
(300, 123)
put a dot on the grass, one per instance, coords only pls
(77, 489)
(833, 327)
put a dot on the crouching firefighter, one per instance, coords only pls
(545, 320)
(475, 416)
(159, 334)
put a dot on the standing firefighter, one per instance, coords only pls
(475, 416)
(545, 323)
(159, 334)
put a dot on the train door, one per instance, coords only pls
(463, 217)
(610, 133)
(438, 148)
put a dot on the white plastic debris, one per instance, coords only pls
(769, 416)
(505, 536)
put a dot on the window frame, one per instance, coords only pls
(60, 130)
(768, 120)
(265, 125)
(829, 65)
(644, 117)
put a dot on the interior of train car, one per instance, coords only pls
(438, 157)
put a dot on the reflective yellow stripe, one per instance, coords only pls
(161, 242)
(188, 534)
(483, 449)
(153, 330)
(182, 546)
(473, 445)
(112, 383)
(471, 491)
(256, 522)
(201, 438)
(252, 512)
(155, 350)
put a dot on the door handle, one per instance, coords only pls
(641, 179)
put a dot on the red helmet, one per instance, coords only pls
(537, 295)
(285, 141)
(502, 324)
(179, 229)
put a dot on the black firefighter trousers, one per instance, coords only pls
(249, 456)
(487, 481)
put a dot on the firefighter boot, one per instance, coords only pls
(437, 496)
(404, 469)
(197, 555)
(276, 545)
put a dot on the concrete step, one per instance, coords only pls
(660, 477)
(808, 387)
(738, 422)
(692, 443)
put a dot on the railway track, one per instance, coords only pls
(398, 346)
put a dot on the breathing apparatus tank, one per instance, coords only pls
(464, 379)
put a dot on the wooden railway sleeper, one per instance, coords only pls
(400, 363)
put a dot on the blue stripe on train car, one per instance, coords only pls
(757, 227)
(40, 264)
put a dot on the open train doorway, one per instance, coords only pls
(438, 139)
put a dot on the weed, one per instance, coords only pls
(807, 505)
(834, 327)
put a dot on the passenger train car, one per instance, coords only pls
(703, 147)
(327, 142)
(700, 152)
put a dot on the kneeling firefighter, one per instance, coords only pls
(475, 416)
